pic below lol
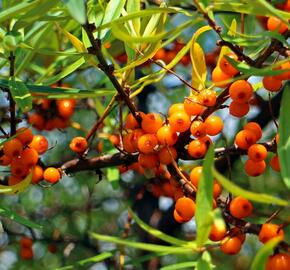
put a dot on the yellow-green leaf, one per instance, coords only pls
(17, 188)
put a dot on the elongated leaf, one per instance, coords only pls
(167, 238)
(265, 251)
(77, 10)
(97, 258)
(113, 11)
(236, 190)
(5, 212)
(203, 265)
(20, 8)
(18, 188)
(143, 246)
(176, 266)
(80, 47)
(20, 94)
(134, 6)
(67, 71)
(284, 133)
(204, 199)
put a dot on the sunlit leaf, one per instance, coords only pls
(113, 176)
(176, 266)
(79, 46)
(77, 10)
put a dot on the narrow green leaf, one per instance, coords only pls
(77, 9)
(237, 191)
(17, 188)
(143, 246)
(134, 6)
(158, 234)
(20, 94)
(284, 133)
(176, 266)
(204, 199)
(265, 251)
(5, 212)
(203, 265)
(113, 176)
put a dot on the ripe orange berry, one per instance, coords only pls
(5, 161)
(12, 148)
(206, 139)
(275, 164)
(36, 120)
(26, 242)
(39, 143)
(148, 161)
(135, 135)
(52, 248)
(13, 180)
(254, 127)
(114, 139)
(239, 109)
(219, 77)
(275, 24)
(253, 168)
(178, 218)
(179, 121)
(238, 233)
(65, 107)
(257, 152)
(25, 135)
(214, 125)
(37, 174)
(147, 143)
(128, 143)
(18, 169)
(175, 108)
(151, 122)
(192, 105)
(245, 138)
(164, 155)
(280, 261)
(166, 135)
(271, 83)
(231, 245)
(217, 189)
(51, 175)
(195, 175)
(198, 129)
(207, 97)
(29, 157)
(241, 91)
(78, 144)
(285, 75)
(217, 233)
(26, 253)
(226, 67)
(269, 231)
(197, 149)
(185, 208)
(240, 207)
(131, 122)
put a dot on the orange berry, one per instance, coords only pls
(36, 120)
(195, 175)
(217, 233)
(151, 122)
(175, 108)
(240, 207)
(206, 139)
(164, 155)
(239, 109)
(269, 231)
(231, 245)
(254, 127)
(131, 122)
(179, 121)
(257, 152)
(147, 143)
(136, 134)
(275, 163)
(37, 174)
(128, 143)
(65, 107)
(148, 161)
(13, 180)
(78, 144)
(253, 168)
(207, 97)
(285, 75)
(26, 242)
(192, 106)
(219, 77)
(226, 67)
(39, 143)
(217, 189)
(197, 149)
(198, 129)
(237, 233)
(26, 253)
(51, 175)
(275, 24)
(114, 139)
(214, 125)
(280, 261)
(178, 218)
(12, 148)
(5, 161)
(185, 208)
(18, 169)
(245, 138)
(52, 248)
(272, 84)
(166, 135)
(29, 157)
(24, 135)
(241, 91)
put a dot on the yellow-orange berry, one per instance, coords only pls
(166, 135)
(51, 175)
(226, 67)
(195, 175)
(37, 174)
(147, 143)
(148, 161)
(179, 121)
(128, 143)
(39, 143)
(192, 106)
(217, 233)
(165, 157)
(240, 207)
(151, 122)
(78, 144)
(241, 91)
(178, 218)
(197, 149)
(214, 125)
(175, 108)
(253, 168)
(185, 208)
(198, 129)
(207, 97)
(275, 24)
(131, 122)
(219, 77)
(254, 127)
(269, 231)
(257, 152)
(245, 138)
(65, 107)
(231, 245)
